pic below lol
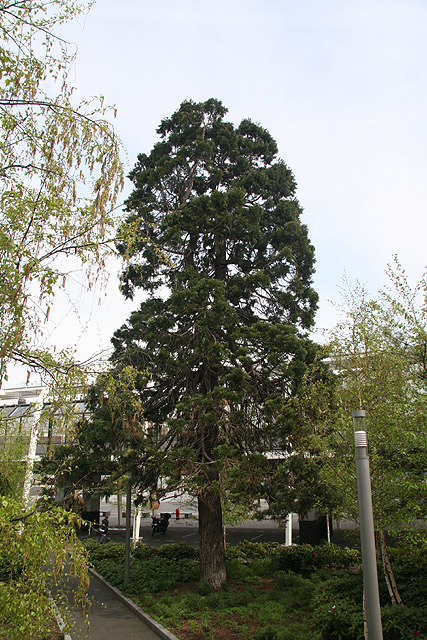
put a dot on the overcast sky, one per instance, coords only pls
(339, 84)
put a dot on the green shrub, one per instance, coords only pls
(314, 588)
(225, 599)
(254, 550)
(341, 584)
(249, 559)
(160, 574)
(304, 559)
(342, 619)
(178, 551)
(203, 588)
(111, 570)
(236, 570)
(143, 551)
(268, 633)
(263, 568)
(404, 622)
(90, 544)
(114, 550)
(410, 570)
(300, 559)
(331, 556)
(338, 619)
(298, 592)
(152, 574)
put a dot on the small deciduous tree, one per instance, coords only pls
(60, 174)
(37, 549)
(378, 354)
(109, 439)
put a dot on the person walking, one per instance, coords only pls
(103, 529)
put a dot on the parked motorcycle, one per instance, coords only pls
(160, 525)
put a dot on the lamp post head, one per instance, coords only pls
(359, 425)
(359, 420)
(361, 413)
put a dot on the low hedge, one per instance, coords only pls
(305, 559)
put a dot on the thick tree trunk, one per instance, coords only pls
(212, 548)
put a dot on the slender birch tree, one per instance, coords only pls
(60, 174)
(378, 355)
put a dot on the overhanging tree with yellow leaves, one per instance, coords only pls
(60, 175)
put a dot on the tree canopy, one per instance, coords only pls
(378, 353)
(60, 173)
(223, 331)
(30, 542)
(377, 362)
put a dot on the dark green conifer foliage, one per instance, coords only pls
(230, 299)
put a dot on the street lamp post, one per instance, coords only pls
(128, 517)
(367, 538)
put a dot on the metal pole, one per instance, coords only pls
(128, 517)
(367, 538)
(288, 530)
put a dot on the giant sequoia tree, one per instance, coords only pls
(222, 332)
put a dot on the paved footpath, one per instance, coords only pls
(114, 617)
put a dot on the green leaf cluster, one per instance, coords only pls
(375, 361)
(60, 174)
(38, 551)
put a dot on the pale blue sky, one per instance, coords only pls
(341, 86)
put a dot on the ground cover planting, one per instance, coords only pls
(273, 592)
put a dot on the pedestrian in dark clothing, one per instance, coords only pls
(103, 529)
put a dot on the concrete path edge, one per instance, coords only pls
(156, 626)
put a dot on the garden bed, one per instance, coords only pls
(273, 592)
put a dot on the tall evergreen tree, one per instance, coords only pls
(223, 330)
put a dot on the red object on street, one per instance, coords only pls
(177, 514)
